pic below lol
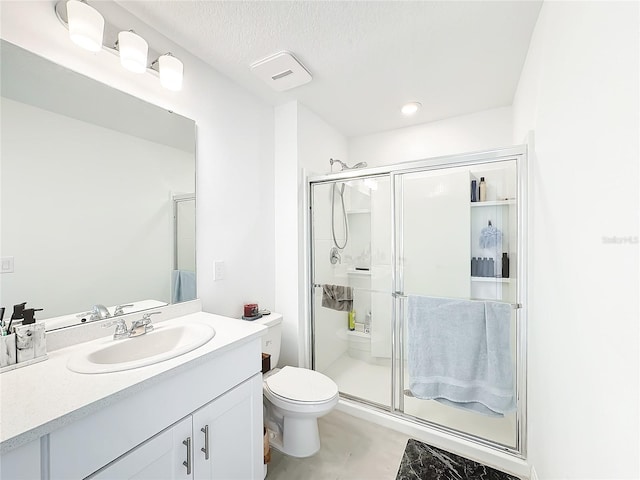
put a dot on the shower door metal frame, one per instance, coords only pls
(393, 172)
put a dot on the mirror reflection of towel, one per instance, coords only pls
(337, 297)
(183, 286)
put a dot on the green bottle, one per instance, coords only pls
(352, 320)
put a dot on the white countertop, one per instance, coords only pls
(38, 399)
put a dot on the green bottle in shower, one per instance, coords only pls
(352, 320)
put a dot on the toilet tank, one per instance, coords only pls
(271, 340)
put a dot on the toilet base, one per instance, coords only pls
(301, 438)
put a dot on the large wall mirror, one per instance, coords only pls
(97, 192)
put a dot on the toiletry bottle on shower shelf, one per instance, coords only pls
(474, 267)
(352, 320)
(505, 265)
(483, 190)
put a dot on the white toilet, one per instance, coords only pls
(294, 398)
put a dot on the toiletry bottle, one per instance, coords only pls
(367, 323)
(474, 190)
(474, 267)
(505, 265)
(352, 320)
(484, 267)
(483, 190)
(491, 268)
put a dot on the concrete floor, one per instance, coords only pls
(351, 449)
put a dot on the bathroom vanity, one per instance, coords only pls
(195, 416)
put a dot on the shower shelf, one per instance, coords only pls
(359, 273)
(491, 279)
(493, 203)
(357, 211)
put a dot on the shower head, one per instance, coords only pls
(344, 166)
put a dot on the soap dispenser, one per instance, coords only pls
(30, 337)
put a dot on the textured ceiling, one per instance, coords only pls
(366, 58)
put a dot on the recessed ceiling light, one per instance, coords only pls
(410, 108)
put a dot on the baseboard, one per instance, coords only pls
(533, 475)
(488, 456)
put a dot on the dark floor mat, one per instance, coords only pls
(424, 462)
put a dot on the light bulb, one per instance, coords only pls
(133, 51)
(171, 70)
(410, 108)
(86, 25)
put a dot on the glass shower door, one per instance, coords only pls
(452, 249)
(352, 286)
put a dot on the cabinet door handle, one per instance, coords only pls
(187, 463)
(205, 450)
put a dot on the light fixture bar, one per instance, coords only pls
(132, 61)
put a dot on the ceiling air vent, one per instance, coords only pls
(282, 71)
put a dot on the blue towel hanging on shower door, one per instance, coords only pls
(459, 353)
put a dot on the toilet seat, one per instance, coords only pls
(300, 385)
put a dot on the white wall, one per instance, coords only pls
(303, 145)
(468, 133)
(579, 93)
(235, 196)
(59, 206)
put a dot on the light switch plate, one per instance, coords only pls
(6, 265)
(218, 268)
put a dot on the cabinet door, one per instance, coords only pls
(23, 463)
(159, 458)
(229, 432)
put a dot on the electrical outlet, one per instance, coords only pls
(6, 265)
(218, 269)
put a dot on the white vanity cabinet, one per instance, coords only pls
(216, 442)
(159, 457)
(141, 436)
(226, 446)
(23, 463)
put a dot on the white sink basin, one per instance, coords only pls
(163, 343)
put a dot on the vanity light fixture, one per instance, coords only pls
(86, 25)
(133, 51)
(409, 109)
(170, 69)
(88, 28)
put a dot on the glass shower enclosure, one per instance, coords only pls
(423, 230)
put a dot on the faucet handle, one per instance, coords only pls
(146, 321)
(120, 309)
(146, 318)
(121, 328)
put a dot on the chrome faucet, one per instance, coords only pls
(142, 326)
(97, 312)
(138, 327)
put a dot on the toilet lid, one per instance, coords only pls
(302, 385)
